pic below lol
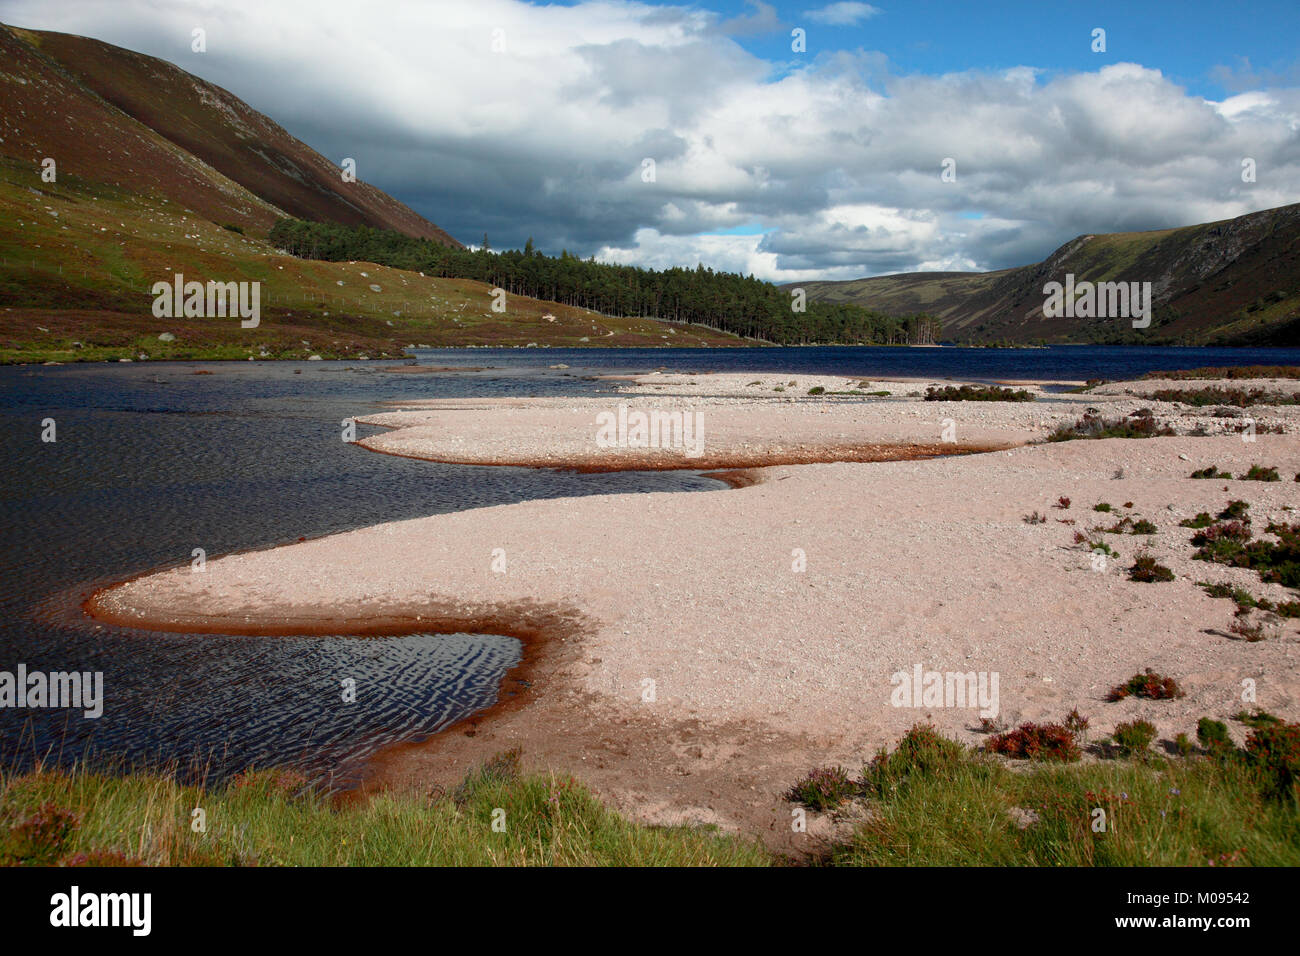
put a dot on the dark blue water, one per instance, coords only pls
(153, 461)
(1064, 362)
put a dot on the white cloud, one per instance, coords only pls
(842, 14)
(547, 138)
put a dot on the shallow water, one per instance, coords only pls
(152, 462)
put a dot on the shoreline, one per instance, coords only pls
(740, 717)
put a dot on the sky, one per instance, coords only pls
(885, 137)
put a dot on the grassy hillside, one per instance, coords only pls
(215, 126)
(1230, 282)
(78, 258)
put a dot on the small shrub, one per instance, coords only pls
(500, 769)
(40, 838)
(1148, 685)
(1031, 741)
(1064, 502)
(817, 390)
(823, 789)
(1103, 507)
(1035, 518)
(1260, 718)
(922, 751)
(1146, 570)
(1259, 473)
(1143, 526)
(976, 393)
(1273, 751)
(1216, 395)
(1213, 736)
(1134, 736)
(1240, 596)
(1250, 632)
(1211, 472)
(1202, 520)
(1237, 510)
(1093, 426)
(1237, 532)
(1076, 723)
(1183, 744)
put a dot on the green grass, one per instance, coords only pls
(86, 276)
(978, 811)
(264, 819)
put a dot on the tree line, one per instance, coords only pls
(725, 301)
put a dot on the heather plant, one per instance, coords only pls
(1229, 372)
(1273, 752)
(1147, 570)
(1276, 562)
(1032, 741)
(1260, 473)
(923, 751)
(1236, 510)
(1257, 718)
(40, 838)
(1252, 632)
(825, 788)
(1213, 736)
(1217, 395)
(1093, 426)
(1134, 736)
(977, 393)
(1148, 685)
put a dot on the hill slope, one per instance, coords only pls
(1231, 282)
(83, 102)
(160, 173)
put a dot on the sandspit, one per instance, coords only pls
(690, 654)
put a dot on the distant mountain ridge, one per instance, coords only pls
(1232, 282)
(111, 115)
